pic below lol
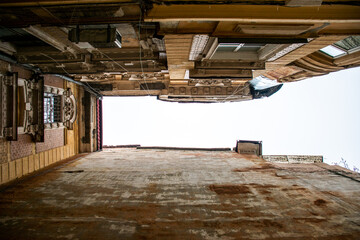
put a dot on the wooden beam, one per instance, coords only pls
(46, 15)
(206, 73)
(131, 93)
(55, 37)
(274, 40)
(7, 48)
(230, 64)
(254, 13)
(271, 29)
(303, 51)
(26, 3)
(301, 3)
(349, 59)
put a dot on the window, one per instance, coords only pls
(236, 51)
(52, 108)
(343, 47)
(333, 51)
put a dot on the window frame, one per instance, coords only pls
(346, 52)
(52, 108)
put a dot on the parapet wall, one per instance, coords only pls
(293, 158)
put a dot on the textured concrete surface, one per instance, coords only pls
(165, 194)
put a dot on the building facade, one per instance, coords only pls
(58, 58)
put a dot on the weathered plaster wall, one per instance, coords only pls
(175, 194)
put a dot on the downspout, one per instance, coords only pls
(87, 88)
(10, 59)
(7, 58)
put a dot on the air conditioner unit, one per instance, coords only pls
(97, 37)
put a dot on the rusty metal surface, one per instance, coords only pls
(160, 194)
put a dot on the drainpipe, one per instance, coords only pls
(7, 58)
(10, 59)
(86, 87)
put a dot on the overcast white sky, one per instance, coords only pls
(317, 116)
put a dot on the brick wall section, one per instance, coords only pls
(22, 147)
(22, 73)
(53, 81)
(53, 138)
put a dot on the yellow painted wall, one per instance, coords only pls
(23, 166)
(20, 167)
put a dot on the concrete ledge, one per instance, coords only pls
(121, 146)
(187, 149)
(293, 158)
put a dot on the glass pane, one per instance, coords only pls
(225, 48)
(52, 108)
(57, 108)
(47, 109)
(246, 48)
(332, 51)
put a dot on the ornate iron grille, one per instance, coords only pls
(52, 108)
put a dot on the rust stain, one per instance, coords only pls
(229, 189)
(241, 188)
(152, 187)
(270, 223)
(263, 188)
(269, 199)
(262, 185)
(250, 157)
(259, 167)
(264, 191)
(310, 219)
(72, 189)
(320, 202)
(283, 176)
(288, 168)
(301, 189)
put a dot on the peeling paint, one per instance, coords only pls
(147, 194)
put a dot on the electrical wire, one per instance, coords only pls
(113, 61)
(122, 68)
(237, 90)
(141, 64)
(55, 62)
(69, 73)
(118, 64)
